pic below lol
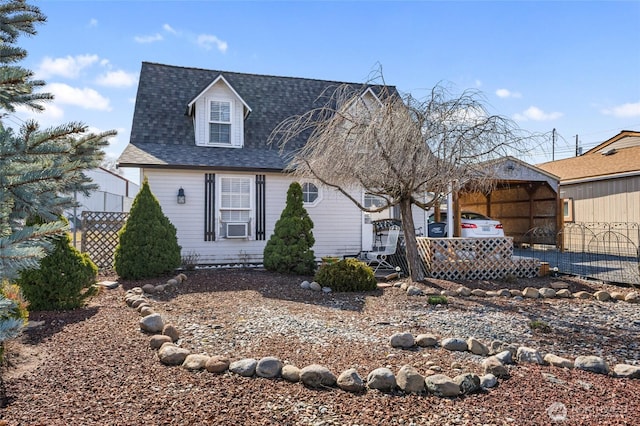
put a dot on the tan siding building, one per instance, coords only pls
(602, 185)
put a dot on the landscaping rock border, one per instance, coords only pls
(499, 355)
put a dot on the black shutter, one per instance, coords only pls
(260, 207)
(209, 207)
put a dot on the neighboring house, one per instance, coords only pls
(603, 184)
(114, 194)
(200, 138)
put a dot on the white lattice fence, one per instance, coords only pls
(100, 235)
(474, 258)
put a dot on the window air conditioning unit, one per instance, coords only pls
(237, 230)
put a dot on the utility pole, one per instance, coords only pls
(553, 144)
(577, 148)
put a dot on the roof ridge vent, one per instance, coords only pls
(609, 151)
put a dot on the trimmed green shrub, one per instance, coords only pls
(148, 244)
(437, 300)
(347, 275)
(65, 279)
(289, 248)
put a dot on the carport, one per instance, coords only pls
(525, 199)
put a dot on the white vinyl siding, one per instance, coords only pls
(337, 221)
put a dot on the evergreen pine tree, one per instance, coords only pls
(39, 169)
(289, 248)
(148, 245)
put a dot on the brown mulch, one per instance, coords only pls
(93, 366)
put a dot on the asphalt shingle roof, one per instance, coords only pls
(162, 134)
(594, 164)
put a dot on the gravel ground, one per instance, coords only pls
(93, 366)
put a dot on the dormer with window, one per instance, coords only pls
(218, 115)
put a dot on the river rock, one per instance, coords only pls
(195, 362)
(547, 293)
(627, 371)
(269, 367)
(488, 381)
(564, 293)
(454, 344)
(381, 379)
(602, 296)
(152, 323)
(157, 340)
(632, 297)
(217, 364)
(492, 365)
(529, 355)
(171, 331)
(582, 295)
(402, 340)
(441, 385)
(350, 381)
(409, 380)
(426, 340)
(464, 291)
(244, 367)
(316, 376)
(170, 354)
(468, 383)
(558, 361)
(477, 347)
(290, 373)
(592, 363)
(531, 293)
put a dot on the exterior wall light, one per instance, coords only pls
(181, 197)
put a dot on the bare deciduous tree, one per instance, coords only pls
(396, 147)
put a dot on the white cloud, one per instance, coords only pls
(208, 41)
(506, 93)
(149, 38)
(478, 83)
(624, 110)
(117, 78)
(93, 22)
(69, 66)
(536, 114)
(51, 112)
(85, 98)
(168, 28)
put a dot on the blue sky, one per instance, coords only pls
(573, 66)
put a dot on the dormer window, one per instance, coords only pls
(218, 115)
(220, 123)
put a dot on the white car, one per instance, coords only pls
(474, 225)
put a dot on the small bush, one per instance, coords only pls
(65, 279)
(437, 300)
(540, 326)
(347, 275)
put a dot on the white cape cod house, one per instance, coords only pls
(200, 138)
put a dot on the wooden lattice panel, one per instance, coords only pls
(100, 236)
(474, 258)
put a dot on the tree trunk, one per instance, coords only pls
(416, 272)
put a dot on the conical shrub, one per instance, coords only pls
(289, 248)
(148, 244)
